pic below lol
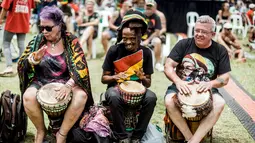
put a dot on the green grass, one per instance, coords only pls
(245, 74)
(228, 129)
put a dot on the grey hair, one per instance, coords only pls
(207, 19)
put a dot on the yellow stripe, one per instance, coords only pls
(131, 70)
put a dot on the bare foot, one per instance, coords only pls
(60, 138)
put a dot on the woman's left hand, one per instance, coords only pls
(62, 92)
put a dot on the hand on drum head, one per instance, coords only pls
(62, 92)
(120, 76)
(204, 86)
(140, 74)
(183, 88)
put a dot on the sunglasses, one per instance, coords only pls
(229, 29)
(47, 28)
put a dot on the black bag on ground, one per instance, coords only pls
(13, 119)
(80, 136)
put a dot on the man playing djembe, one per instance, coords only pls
(127, 61)
(205, 56)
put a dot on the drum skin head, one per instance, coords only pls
(46, 95)
(132, 87)
(195, 98)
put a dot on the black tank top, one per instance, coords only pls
(225, 17)
(117, 22)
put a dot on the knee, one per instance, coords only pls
(82, 98)
(156, 41)
(151, 97)
(169, 102)
(112, 95)
(29, 98)
(91, 28)
(219, 104)
(105, 36)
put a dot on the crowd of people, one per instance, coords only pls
(57, 54)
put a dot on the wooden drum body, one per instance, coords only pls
(132, 92)
(46, 98)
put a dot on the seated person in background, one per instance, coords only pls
(54, 56)
(88, 21)
(113, 25)
(152, 34)
(252, 39)
(138, 61)
(67, 15)
(231, 43)
(162, 32)
(139, 5)
(224, 14)
(204, 55)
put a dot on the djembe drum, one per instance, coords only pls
(132, 92)
(54, 108)
(194, 107)
(46, 98)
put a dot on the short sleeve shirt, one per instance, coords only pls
(153, 24)
(18, 16)
(119, 51)
(213, 60)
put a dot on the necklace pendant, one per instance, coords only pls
(53, 47)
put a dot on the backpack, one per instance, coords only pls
(13, 119)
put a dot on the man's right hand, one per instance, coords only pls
(182, 86)
(121, 75)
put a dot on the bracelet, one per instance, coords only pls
(68, 86)
(31, 59)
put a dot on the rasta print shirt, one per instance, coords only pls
(118, 59)
(194, 61)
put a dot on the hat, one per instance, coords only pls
(64, 2)
(150, 2)
(252, 5)
(87, 1)
(227, 25)
(132, 15)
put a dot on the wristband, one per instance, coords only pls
(31, 59)
(68, 86)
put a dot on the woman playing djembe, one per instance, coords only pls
(129, 61)
(54, 56)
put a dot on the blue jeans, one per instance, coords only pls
(7, 38)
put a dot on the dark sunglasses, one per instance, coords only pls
(47, 28)
(229, 29)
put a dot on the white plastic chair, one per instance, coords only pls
(104, 15)
(237, 24)
(191, 18)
